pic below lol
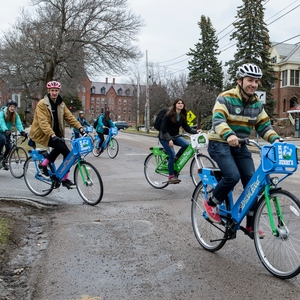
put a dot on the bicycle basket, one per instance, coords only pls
(82, 145)
(113, 130)
(279, 158)
(199, 140)
(89, 129)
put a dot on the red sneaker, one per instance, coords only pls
(261, 234)
(212, 212)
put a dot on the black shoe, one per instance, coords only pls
(43, 169)
(68, 184)
(5, 165)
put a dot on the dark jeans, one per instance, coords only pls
(5, 140)
(180, 141)
(59, 147)
(235, 163)
(101, 136)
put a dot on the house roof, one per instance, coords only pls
(116, 86)
(288, 52)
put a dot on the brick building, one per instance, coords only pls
(286, 91)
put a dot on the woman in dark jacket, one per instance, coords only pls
(169, 134)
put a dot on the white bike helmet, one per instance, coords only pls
(250, 70)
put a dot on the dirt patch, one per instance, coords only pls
(23, 238)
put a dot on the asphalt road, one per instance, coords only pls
(138, 243)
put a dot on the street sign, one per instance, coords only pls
(262, 96)
(190, 116)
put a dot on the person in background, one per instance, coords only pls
(104, 122)
(83, 123)
(48, 128)
(8, 118)
(173, 120)
(236, 112)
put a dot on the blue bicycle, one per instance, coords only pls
(110, 143)
(277, 213)
(86, 177)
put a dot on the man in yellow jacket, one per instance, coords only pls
(48, 127)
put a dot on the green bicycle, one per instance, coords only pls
(156, 163)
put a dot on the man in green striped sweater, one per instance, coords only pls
(236, 112)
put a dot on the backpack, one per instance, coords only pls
(96, 123)
(159, 117)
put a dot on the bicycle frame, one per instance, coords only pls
(273, 161)
(113, 131)
(80, 147)
(197, 141)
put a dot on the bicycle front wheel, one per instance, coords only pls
(95, 146)
(35, 181)
(280, 252)
(88, 183)
(211, 236)
(204, 161)
(16, 161)
(113, 148)
(156, 178)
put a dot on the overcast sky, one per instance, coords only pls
(171, 26)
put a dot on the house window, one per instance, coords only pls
(119, 109)
(119, 91)
(83, 89)
(127, 92)
(125, 102)
(294, 80)
(124, 110)
(98, 100)
(93, 90)
(284, 78)
(92, 99)
(97, 108)
(274, 60)
(103, 90)
(119, 101)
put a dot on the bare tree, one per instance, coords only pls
(67, 39)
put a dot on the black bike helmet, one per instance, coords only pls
(250, 70)
(12, 102)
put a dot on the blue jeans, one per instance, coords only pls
(235, 163)
(5, 140)
(181, 142)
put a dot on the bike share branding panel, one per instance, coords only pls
(279, 157)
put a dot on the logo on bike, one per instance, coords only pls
(201, 139)
(285, 155)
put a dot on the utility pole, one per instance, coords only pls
(147, 105)
(138, 103)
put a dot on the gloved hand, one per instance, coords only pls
(7, 132)
(23, 133)
(82, 132)
(55, 139)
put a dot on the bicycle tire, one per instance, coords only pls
(154, 178)
(205, 231)
(91, 188)
(95, 152)
(113, 148)
(204, 161)
(36, 183)
(279, 254)
(16, 161)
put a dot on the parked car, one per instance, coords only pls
(121, 125)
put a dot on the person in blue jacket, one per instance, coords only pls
(83, 123)
(8, 118)
(104, 122)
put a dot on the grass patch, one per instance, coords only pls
(4, 231)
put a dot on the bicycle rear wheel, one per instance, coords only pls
(35, 181)
(16, 161)
(204, 161)
(154, 177)
(280, 253)
(95, 145)
(113, 148)
(208, 234)
(88, 183)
